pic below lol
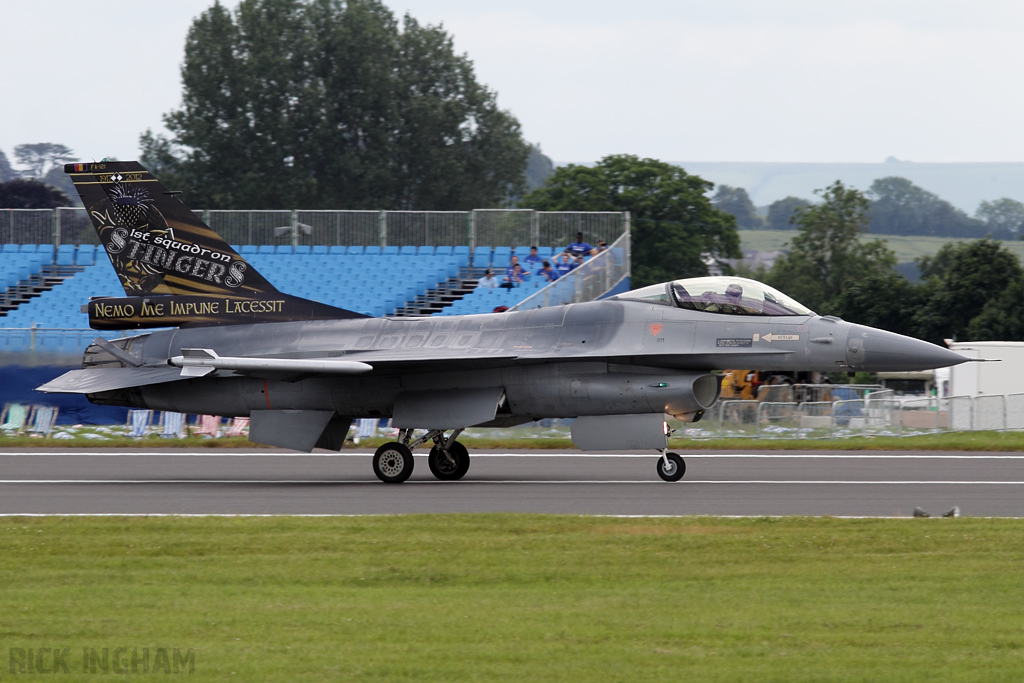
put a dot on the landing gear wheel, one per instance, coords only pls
(675, 470)
(445, 469)
(392, 463)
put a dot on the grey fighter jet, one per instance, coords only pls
(302, 371)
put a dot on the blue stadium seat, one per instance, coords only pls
(10, 249)
(407, 251)
(357, 249)
(319, 249)
(390, 250)
(545, 252)
(427, 250)
(66, 255)
(265, 249)
(45, 252)
(372, 250)
(28, 248)
(303, 249)
(462, 252)
(523, 252)
(443, 251)
(481, 257)
(284, 250)
(501, 256)
(86, 254)
(249, 249)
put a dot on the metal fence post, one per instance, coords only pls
(472, 232)
(382, 229)
(534, 228)
(56, 228)
(295, 229)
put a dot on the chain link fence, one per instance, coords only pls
(480, 227)
(877, 413)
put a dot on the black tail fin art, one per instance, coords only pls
(173, 267)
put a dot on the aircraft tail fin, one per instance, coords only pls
(158, 246)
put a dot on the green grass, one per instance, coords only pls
(950, 441)
(907, 248)
(520, 598)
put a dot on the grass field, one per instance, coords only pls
(907, 248)
(950, 441)
(523, 598)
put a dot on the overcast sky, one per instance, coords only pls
(708, 80)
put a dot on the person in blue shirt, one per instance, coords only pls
(563, 264)
(523, 274)
(533, 261)
(579, 247)
(546, 272)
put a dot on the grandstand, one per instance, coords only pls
(45, 286)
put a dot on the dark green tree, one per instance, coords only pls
(26, 193)
(736, 201)
(39, 158)
(898, 207)
(675, 229)
(882, 299)
(1003, 218)
(827, 256)
(331, 104)
(782, 213)
(1002, 318)
(961, 282)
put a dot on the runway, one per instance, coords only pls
(263, 481)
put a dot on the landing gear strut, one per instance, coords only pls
(671, 467)
(448, 459)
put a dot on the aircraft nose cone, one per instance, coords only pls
(880, 351)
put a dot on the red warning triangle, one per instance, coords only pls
(656, 329)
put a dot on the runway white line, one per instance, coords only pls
(466, 482)
(684, 455)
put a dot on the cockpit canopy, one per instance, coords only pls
(720, 294)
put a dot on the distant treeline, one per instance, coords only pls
(896, 207)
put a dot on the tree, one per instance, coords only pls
(6, 172)
(782, 213)
(1004, 218)
(882, 299)
(827, 257)
(898, 207)
(675, 229)
(736, 201)
(25, 193)
(1002, 318)
(39, 158)
(962, 280)
(539, 168)
(328, 104)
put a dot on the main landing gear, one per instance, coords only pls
(448, 459)
(671, 467)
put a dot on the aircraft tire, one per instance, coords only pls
(393, 463)
(676, 467)
(441, 468)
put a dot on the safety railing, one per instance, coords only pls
(593, 279)
(879, 413)
(479, 227)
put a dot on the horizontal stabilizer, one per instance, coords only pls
(199, 362)
(96, 380)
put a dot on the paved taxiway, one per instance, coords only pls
(843, 483)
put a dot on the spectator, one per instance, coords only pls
(601, 246)
(579, 247)
(512, 264)
(546, 272)
(563, 264)
(578, 262)
(514, 278)
(488, 281)
(533, 261)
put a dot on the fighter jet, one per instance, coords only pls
(303, 371)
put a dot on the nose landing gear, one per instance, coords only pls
(671, 467)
